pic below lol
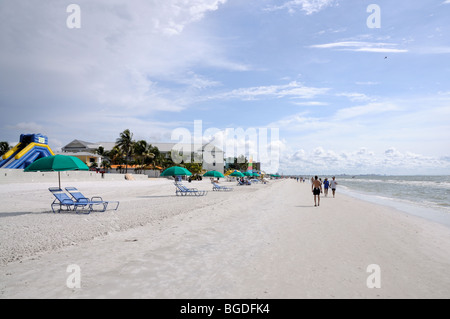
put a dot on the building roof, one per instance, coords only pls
(78, 145)
(80, 154)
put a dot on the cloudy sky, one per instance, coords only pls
(346, 98)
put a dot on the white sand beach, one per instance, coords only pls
(259, 241)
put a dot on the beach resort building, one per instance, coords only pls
(211, 157)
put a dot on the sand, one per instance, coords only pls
(259, 241)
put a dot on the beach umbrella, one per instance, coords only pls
(237, 174)
(256, 174)
(248, 173)
(176, 171)
(214, 174)
(57, 163)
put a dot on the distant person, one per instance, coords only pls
(333, 185)
(316, 188)
(326, 184)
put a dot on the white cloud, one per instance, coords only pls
(355, 97)
(27, 127)
(120, 57)
(365, 110)
(361, 161)
(367, 83)
(359, 46)
(312, 103)
(292, 90)
(307, 6)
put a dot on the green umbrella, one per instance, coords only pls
(57, 163)
(256, 174)
(247, 173)
(176, 171)
(237, 174)
(214, 174)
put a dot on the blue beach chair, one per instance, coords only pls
(183, 190)
(217, 187)
(96, 200)
(66, 203)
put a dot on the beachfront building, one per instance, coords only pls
(236, 163)
(211, 157)
(86, 151)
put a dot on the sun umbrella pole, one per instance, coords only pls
(59, 179)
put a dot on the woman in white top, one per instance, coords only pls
(333, 184)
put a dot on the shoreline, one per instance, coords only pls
(432, 214)
(260, 241)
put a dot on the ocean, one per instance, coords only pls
(425, 196)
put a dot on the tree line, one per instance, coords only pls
(141, 155)
(128, 152)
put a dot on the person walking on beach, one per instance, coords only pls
(316, 188)
(333, 184)
(326, 184)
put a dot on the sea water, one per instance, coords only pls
(425, 196)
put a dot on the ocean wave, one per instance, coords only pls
(433, 184)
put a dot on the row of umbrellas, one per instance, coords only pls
(61, 163)
(181, 171)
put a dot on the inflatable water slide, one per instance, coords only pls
(30, 148)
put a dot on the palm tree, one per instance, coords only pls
(163, 161)
(125, 143)
(194, 168)
(105, 156)
(116, 155)
(143, 154)
(4, 148)
(106, 165)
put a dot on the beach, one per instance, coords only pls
(259, 241)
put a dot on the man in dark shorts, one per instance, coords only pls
(316, 188)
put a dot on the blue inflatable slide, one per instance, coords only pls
(30, 148)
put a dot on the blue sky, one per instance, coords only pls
(346, 98)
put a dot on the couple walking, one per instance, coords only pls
(316, 188)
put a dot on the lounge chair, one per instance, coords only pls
(66, 203)
(96, 200)
(183, 190)
(217, 187)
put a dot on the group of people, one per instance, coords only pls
(316, 188)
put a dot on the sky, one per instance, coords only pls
(349, 88)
